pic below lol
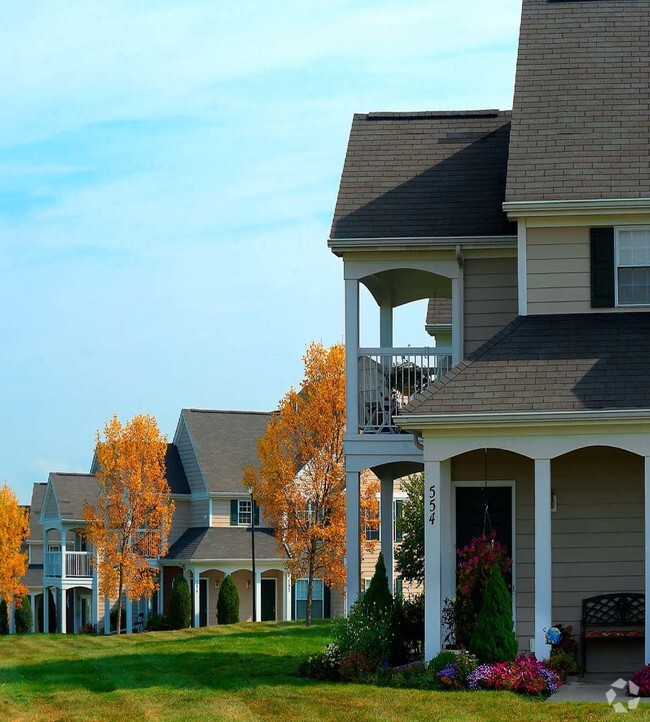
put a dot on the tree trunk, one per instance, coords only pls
(119, 604)
(310, 590)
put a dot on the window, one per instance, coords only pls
(372, 534)
(397, 520)
(632, 266)
(244, 516)
(399, 587)
(317, 599)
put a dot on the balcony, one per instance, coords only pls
(390, 377)
(77, 564)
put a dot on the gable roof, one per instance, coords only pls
(564, 362)
(36, 504)
(71, 491)
(223, 543)
(427, 174)
(225, 443)
(580, 116)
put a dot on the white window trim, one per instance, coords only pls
(617, 230)
(239, 512)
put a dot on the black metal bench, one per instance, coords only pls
(611, 616)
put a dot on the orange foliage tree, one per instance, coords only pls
(130, 522)
(14, 528)
(301, 479)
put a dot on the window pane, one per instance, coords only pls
(244, 512)
(633, 286)
(301, 589)
(399, 506)
(316, 593)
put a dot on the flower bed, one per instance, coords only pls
(525, 675)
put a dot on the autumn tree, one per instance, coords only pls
(130, 522)
(301, 479)
(14, 527)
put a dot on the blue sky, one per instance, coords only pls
(168, 173)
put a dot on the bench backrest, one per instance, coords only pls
(614, 610)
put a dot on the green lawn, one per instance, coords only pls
(241, 672)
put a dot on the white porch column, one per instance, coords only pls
(32, 601)
(128, 604)
(352, 355)
(76, 617)
(11, 612)
(386, 534)
(647, 557)
(94, 602)
(258, 595)
(46, 610)
(457, 318)
(64, 542)
(447, 542)
(543, 574)
(107, 616)
(63, 606)
(352, 537)
(436, 474)
(196, 590)
(286, 596)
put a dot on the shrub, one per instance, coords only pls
(410, 676)
(378, 599)
(23, 616)
(180, 604)
(228, 602)
(355, 666)
(524, 675)
(158, 623)
(642, 680)
(564, 663)
(4, 617)
(411, 624)
(368, 632)
(325, 666)
(494, 638)
(88, 628)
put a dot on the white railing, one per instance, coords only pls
(390, 377)
(52, 564)
(77, 564)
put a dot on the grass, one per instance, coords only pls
(241, 672)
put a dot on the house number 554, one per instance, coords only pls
(432, 504)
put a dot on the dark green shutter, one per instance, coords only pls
(327, 603)
(234, 512)
(257, 514)
(602, 268)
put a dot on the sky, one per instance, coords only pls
(168, 175)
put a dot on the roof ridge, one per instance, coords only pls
(228, 411)
(442, 114)
(69, 473)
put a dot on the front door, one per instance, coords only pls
(482, 510)
(203, 602)
(268, 600)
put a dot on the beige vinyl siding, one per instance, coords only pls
(36, 554)
(506, 466)
(189, 460)
(200, 514)
(490, 298)
(182, 519)
(221, 512)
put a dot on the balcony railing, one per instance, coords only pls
(77, 564)
(390, 377)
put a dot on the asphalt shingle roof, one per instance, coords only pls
(38, 494)
(580, 119)
(225, 443)
(71, 492)
(438, 311)
(550, 363)
(427, 174)
(223, 543)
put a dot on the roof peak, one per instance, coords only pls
(228, 411)
(432, 114)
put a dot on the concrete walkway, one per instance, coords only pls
(593, 688)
